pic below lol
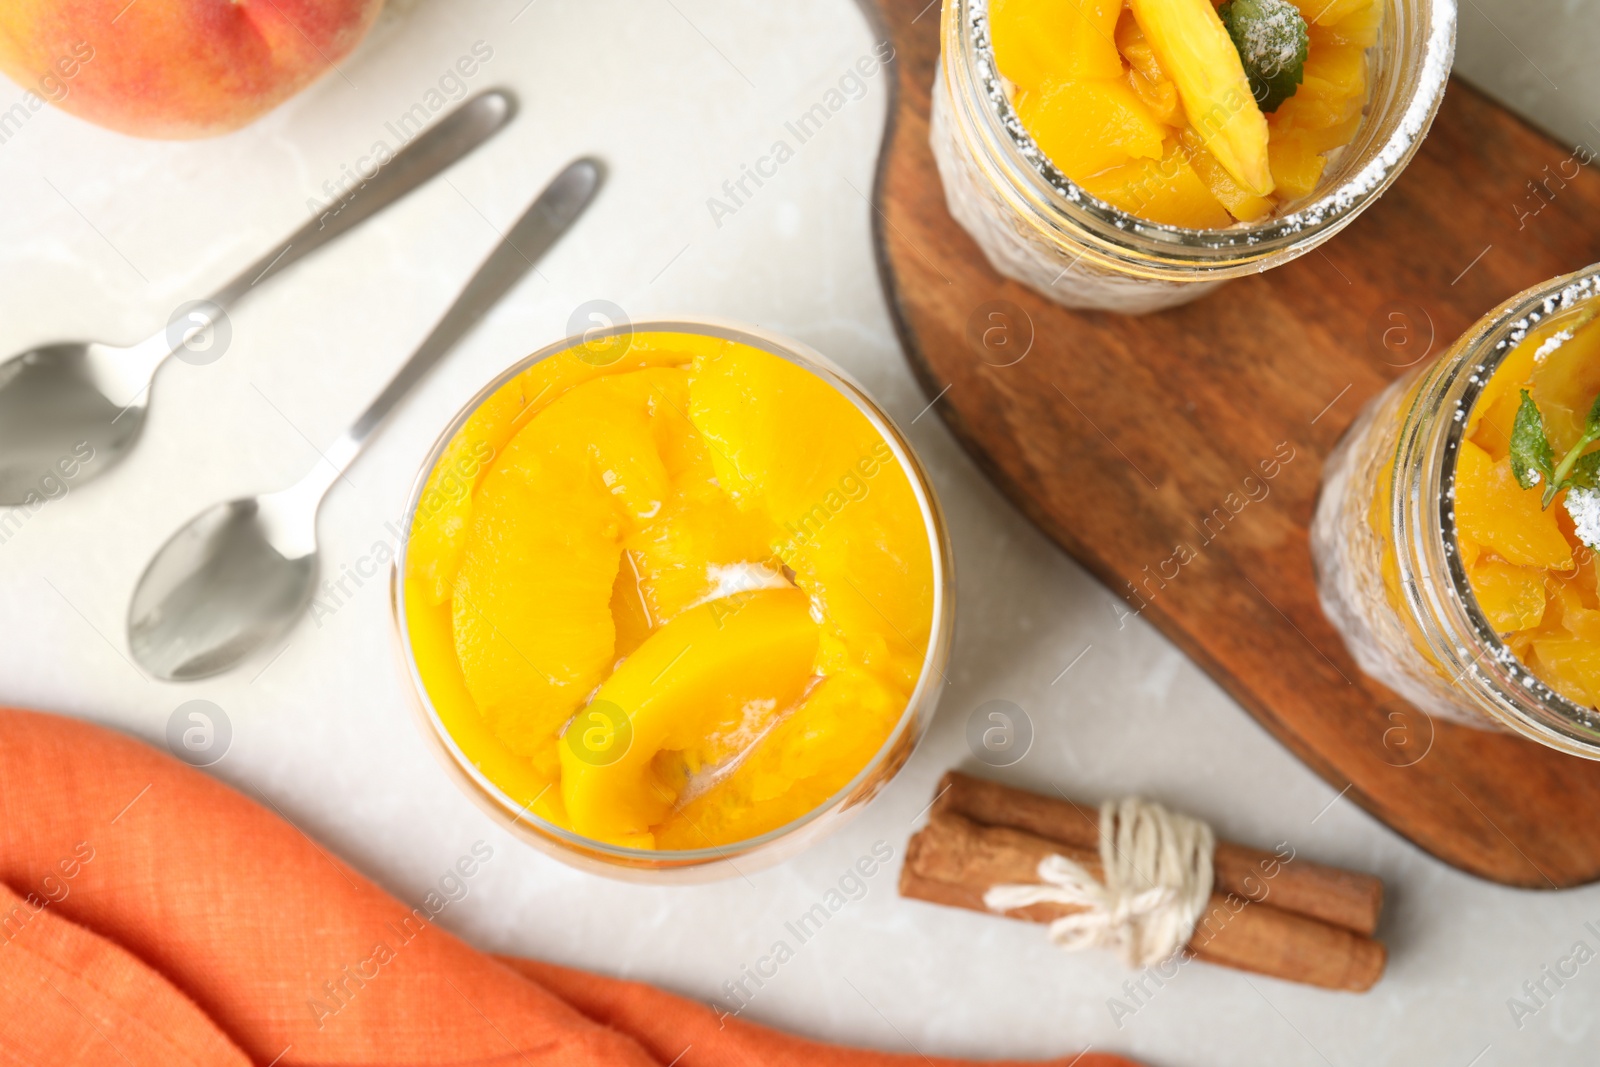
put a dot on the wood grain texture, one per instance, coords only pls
(1124, 438)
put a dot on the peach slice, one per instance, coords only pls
(1036, 40)
(1194, 48)
(1497, 513)
(1086, 127)
(731, 664)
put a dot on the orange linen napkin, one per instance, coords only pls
(151, 915)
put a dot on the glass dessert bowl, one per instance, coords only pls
(674, 598)
(1131, 160)
(1454, 536)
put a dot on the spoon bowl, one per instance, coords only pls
(65, 413)
(235, 576)
(79, 405)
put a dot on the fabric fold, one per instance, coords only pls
(151, 915)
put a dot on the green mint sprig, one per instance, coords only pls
(1533, 459)
(1272, 41)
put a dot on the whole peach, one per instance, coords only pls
(172, 68)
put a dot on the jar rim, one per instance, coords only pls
(618, 859)
(1424, 517)
(1127, 237)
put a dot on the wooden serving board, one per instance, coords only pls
(1125, 438)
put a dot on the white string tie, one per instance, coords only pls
(1158, 876)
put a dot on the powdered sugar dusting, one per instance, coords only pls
(1569, 297)
(1584, 507)
(1272, 40)
(1430, 87)
(1551, 344)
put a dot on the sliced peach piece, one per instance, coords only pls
(628, 608)
(1569, 665)
(1164, 190)
(809, 756)
(1567, 601)
(1497, 513)
(1358, 28)
(704, 670)
(1332, 12)
(1511, 597)
(1328, 138)
(846, 516)
(1565, 383)
(531, 603)
(1296, 164)
(525, 778)
(444, 511)
(680, 555)
(1086, 127)
(1149, 81)
(1317, 105)
(1495, 411)
(1240, 202)
(1036, 41)
(1343, 66)
(1194, 49)
(1161, 97)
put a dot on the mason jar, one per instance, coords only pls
(1383, 539)
(1037, 226)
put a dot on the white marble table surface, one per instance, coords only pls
(103, 236)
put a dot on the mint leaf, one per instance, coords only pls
(1271, 39)
(1585, 473)
(1532, 458)
(1562, 477)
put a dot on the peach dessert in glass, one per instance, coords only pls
(672, 596)
(1131, 156)
(1455, 538)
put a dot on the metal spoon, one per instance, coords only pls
(239, 574)
(86, 401)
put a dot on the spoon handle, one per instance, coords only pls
(448, 140)
(540, 227)
(442, 144)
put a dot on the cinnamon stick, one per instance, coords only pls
(954, 861)
(1344, 898)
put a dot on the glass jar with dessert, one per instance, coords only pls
(674, 597)
(1130, 157)
(1455, 538)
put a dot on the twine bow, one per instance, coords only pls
(1158, 878)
